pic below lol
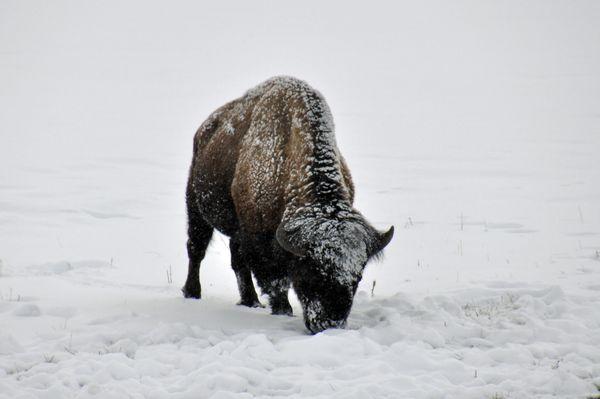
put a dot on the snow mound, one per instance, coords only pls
(473, 343)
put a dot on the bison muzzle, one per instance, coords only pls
(266, 171)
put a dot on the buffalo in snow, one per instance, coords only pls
(266, 171)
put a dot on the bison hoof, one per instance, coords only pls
(251, 303)
(285, 311)
(191, 292)
(280, 305)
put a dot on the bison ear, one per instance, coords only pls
(287, 241)
(383, 239)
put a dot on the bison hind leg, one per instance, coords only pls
(241, 260)
(196, 247)
(199, 235)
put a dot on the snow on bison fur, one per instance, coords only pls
(266, 172)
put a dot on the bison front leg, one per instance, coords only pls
(272, 277)
(278, 296)
(240, 259)
(199, 235)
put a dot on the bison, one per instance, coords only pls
(266, 172)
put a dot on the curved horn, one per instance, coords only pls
(386, 237)
(381, 241)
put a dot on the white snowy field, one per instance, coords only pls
(472, 126)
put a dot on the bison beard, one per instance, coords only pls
(266, 171)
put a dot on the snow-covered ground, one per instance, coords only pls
(472, 126)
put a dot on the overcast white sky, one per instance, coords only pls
(86, 79)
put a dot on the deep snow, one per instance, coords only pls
(473, 127)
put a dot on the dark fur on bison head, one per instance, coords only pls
(332, 254)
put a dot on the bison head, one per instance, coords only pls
(331, 256)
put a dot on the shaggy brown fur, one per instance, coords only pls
(266, 172)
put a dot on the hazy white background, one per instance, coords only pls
(99, 103)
